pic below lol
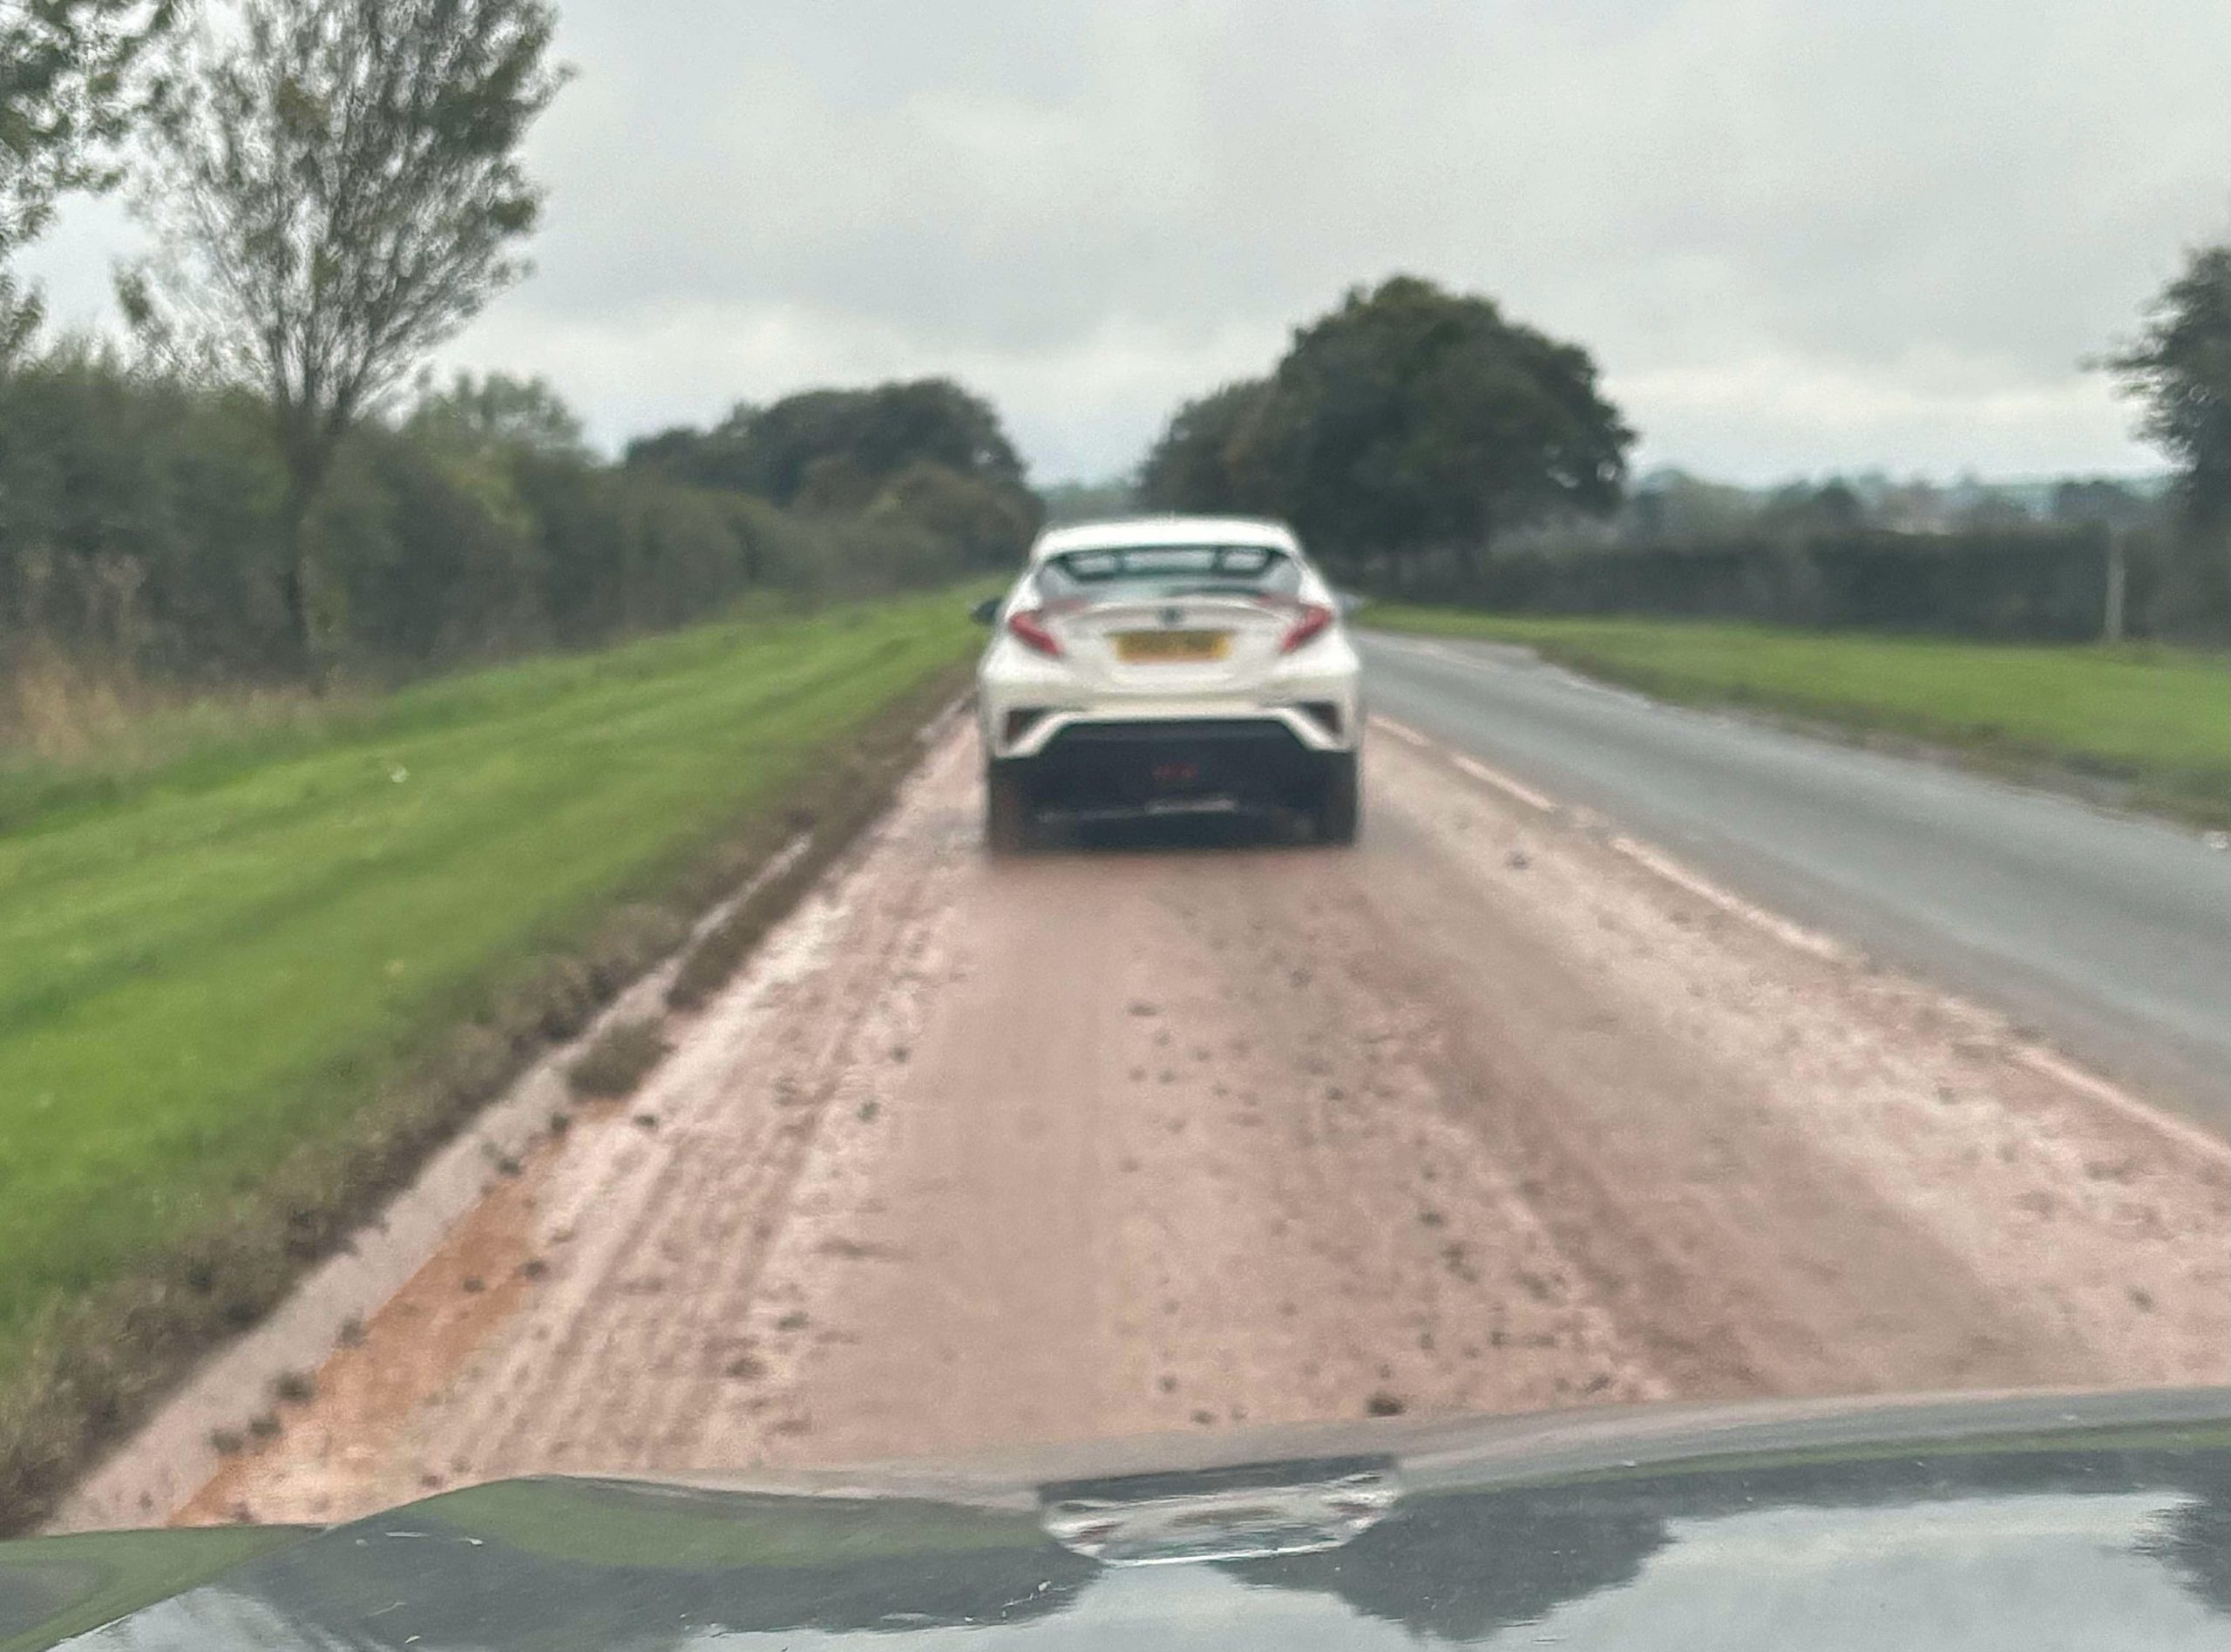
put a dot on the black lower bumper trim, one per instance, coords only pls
(1113, 767)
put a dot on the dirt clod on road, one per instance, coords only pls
(1481, 1116)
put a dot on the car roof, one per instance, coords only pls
(1164, 530)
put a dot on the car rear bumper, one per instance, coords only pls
(1091, 766)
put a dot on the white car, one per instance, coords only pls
(1165, 665)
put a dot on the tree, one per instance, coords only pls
(831, 448)
(1839, 507)
(1189, 467)
(2180, 371)
(73, 81)
(1674, 506)
(1410, 420)
(2099, 502)
(1993, 512)
(1073, 502)
(340, 191)
(493, 442)
(988, 524)
(677, 452)
(1799, 511)
(499, 412)
(936, 420)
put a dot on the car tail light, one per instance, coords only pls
(1309, 623)
(1027, 626)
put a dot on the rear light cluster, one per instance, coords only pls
(1027, 626)
(1308, 624)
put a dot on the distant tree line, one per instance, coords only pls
(251, 489)
(1970, 558)
(1426, 445)
(928, 452)
(1674, 506)
(2013, 585)
(1071, 502)
(145, 533)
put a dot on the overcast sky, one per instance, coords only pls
(1798, 236)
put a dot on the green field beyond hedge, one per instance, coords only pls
(209, 963)
(2157, 718)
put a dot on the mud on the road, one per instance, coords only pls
(1483, 1116)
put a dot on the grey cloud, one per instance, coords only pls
(1797, 234)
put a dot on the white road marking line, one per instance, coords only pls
(1781, 929)
(1471, 766)
(2194, 1138)
(2200, 1140)
(1503, 782)
(1402, 732)
(1419, 650)
(1612, 691)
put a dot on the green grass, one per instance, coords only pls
(2155, 720)
(209, 963)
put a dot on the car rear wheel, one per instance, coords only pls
(1008, 823)
(1339, 806)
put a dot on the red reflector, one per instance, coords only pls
(1028, 628)
(1313, 620)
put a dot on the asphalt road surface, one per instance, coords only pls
(2111, 937)
(1497, 1112)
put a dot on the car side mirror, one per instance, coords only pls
(986, 612)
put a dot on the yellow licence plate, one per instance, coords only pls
(1159, 647)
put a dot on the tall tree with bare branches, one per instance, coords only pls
(341, 189)
(73, 77)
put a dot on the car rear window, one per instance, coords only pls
(1170, 570)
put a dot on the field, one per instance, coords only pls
(2156, 720)
(209, 963)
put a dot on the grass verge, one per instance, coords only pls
(2152, 723)
(242, 997)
